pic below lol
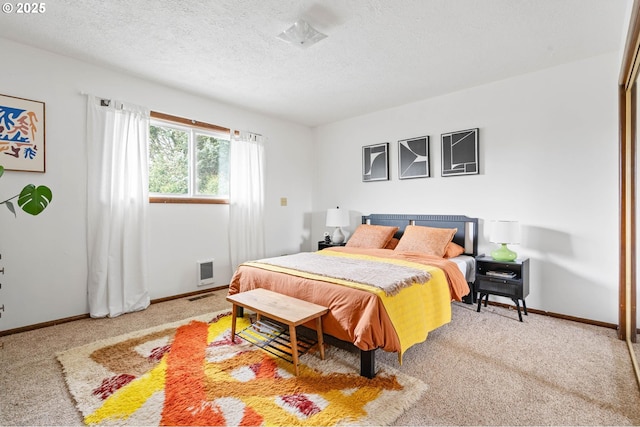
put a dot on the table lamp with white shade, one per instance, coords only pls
(503, 233)
(337, 218)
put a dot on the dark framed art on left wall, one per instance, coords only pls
(375, 162)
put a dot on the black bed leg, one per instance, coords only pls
(368, 363)
(240, 311)
(470, 298)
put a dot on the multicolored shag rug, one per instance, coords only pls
(191, 373)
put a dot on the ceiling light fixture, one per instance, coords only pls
(301, 34)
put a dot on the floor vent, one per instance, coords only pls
(199, 297)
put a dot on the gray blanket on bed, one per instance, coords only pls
(391, 278)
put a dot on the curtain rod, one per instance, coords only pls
(104, 102)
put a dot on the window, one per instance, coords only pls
(188, 161)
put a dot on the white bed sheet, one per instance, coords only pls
(467, 265)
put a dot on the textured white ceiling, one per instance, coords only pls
(378, 53)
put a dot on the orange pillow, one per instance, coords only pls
(392, 243)
(453, 250)
(428, 240)
(371, 236)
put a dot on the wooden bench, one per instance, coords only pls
(281, 308)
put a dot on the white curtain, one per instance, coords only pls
(117, 187)
(246, 198)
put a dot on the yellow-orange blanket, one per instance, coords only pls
(361, 314)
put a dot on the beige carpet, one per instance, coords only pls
(482, 369)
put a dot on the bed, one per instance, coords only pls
(380, 296)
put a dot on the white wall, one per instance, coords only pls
(548, 158)
(548, 143)
(44, 257)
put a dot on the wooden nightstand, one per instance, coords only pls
(504, 278)
(322, 244)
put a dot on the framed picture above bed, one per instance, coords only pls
(375, 162)
(413, 158)
(460, 154)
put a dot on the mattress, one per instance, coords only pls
(368, 318)
(467, 266)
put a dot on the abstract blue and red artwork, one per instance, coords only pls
(22, 134)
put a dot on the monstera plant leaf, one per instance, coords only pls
(34, 200)
(31, 199)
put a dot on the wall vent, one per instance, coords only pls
(205, 272)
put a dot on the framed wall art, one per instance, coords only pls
(22, 134)
(375, 162)
(460, 155)
(413, 158)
